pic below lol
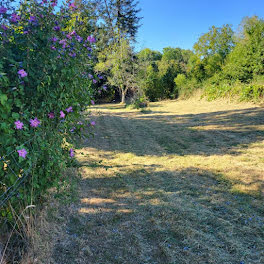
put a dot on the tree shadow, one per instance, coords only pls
(221, 132)
(145, 216)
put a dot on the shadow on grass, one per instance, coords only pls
(143, 216)
(222, 132)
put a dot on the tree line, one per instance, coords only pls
(223, 62)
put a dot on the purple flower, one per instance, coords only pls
(100, 76)
(22, 153)
(79, 39)
(105, 87)
(80, 123)
(19, 125)
(22, 73)
(69, 109)
(62, 115)
(3, 10)
(32, 19)
(73, 54)
(94, 81)
(34, 122)
(69, 36)
(93, 123)
(91, 39)
(72, 5)
(92, 102)
(71, 153)
(25, 32)
(90, 76)
(53, 48)
(72, 33)
(51, 115)
(14, 18)
(4, 27)
(57, 28)
(54, 39)
(72, 129)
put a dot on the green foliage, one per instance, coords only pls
(56, 78)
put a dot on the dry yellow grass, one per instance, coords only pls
(179, 183)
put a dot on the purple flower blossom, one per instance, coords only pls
(19, 125)
(79, 39)
(69, 36)
(105, 87)
(4, 27)
(72, 129)
(32, 19)
(73, 54)
(80, 123)
(90, 76)
(22, 153)
(71, 153)
(14, 18)
(72, 5)
(34, 122)
(93, 123)
(53, 48)
(92, 102)
(62, 115)
(3, 10)
(69, 109)
(25, 32)
(57, 28)
(100, 76)
(54, 39)
(94, 81)
(51, 115)
(22, 73)
(91, 39)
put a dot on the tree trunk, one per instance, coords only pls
(123, 96)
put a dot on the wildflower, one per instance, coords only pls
(94, 81)
(22, 73)
(15, 18)
(91, 39)
(34, 122)
(71, 153)
(92, 102)
(93, 123)
(100, 76)
(62, 115)
(4, 27)
(105, 87)
(69, 109)
(22, 153)
(51, 115)
(54, 39)
(72, 129)
(57, 28)
(80, 123)
(53, 48)
(25, 32)
(32, 19)
(72, 5)
(79, 39)
(73, 54)
(90, 76)
(19, 125)
(3, 10)
(69, 36)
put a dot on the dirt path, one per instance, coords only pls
(182, 183)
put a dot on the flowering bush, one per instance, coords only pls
(46, 62)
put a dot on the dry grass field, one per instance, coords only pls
(181, 182)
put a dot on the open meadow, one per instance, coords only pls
(181, 182)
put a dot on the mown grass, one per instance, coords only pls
(179, 183)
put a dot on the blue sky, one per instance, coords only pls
(179, 23)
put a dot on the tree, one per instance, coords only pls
(120, 66)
